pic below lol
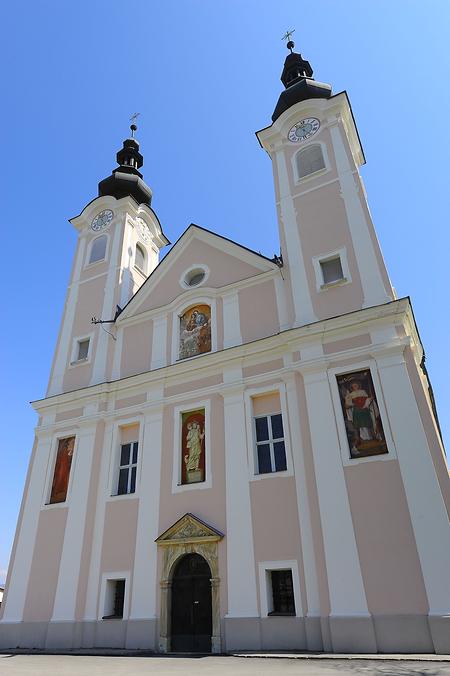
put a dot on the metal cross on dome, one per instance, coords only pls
(287, 36)
(133, 125)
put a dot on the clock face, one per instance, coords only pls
(143, 231)
(102, 220)
(304, 129)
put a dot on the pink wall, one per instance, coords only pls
(137, 346)
(258, 311)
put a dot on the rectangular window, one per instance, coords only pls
(282, 592)
(82, 349)
(61, 473)
(270, 448)
(331, 270)
(115, 596)
(127, 468)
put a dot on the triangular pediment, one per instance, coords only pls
(227, 263)
(189, 529)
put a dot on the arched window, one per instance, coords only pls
(139, 259)
(309, 160)
(98, 249)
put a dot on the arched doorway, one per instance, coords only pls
(191, 605)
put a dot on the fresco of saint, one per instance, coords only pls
(195, 331)
(362, 418)
(62, 470)
(193, 447)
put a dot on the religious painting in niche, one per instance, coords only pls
(193, 446)
(195, 331)
(362, 418)
(62, 470)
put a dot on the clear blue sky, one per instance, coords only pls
(205, 76)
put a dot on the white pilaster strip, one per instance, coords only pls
(370, 273)
(426, 505)
(280, 292)
(126, 262)
(304, 514)
(69, 568)
(118, 345)
(242, 600)
(64, 346)
(18, 583)
(143, 599)
(97, 536)
(304, 313)
(101, 351)
(159, 342)
(231, 320)
(347, 595)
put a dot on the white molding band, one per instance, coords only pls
(242, 599)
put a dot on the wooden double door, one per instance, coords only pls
(191, 624)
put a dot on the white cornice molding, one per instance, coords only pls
(397, 312)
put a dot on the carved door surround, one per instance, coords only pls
(188, 535)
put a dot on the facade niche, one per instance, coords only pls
(195, 331)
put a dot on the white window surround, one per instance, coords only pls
(265, 586)
(178, 312)
(74, 361)
(104, 601)
(177, 486)
(280, 389)
(113, 477)
(343, 441)
(320, 172)
(323, 258)
(139, 246)
(87, 264)
(51, 470)
(201, 267)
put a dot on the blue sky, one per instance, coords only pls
(205, 76)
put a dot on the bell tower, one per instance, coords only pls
(119, 239)
(332, 258)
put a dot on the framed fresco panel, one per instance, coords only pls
(193, 446)
(363, 425)
(61, 474)
(195, 331)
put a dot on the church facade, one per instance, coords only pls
(240, 453)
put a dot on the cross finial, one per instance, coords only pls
(133, 125)
(287, 36)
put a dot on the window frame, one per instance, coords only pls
(252, 460)
(270, 442)
(198, 266)
(112, 577)
(341, 253)
(348, 461)
(299, 180)
(140, 246)
(129, 467)
(177, 486)
(74, 362)
(116, 445)
(265, 587)
(88, 264)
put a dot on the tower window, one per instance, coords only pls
(332, 270)
(139, 259)
(98, 249)
(83, 349)
(309, 160)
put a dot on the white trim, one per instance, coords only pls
(303, 308)
(159, 343)
(176, 318)
(201, 267)
(343, 440)
(276, 388)
(241, 582)
(282, 307)
(177, 486)
(117, 359)
(69, 569)
(265, 588)
(144, 592)
(75, 342)
(325, 170)
(341, 253)
(231, 319)
(87, 264)
(111, 576)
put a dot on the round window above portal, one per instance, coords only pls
(194, 276)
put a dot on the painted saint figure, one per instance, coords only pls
(195, 331)
(194, 440)
(363, 413)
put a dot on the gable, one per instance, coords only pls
(226, 262)
(189, 529)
